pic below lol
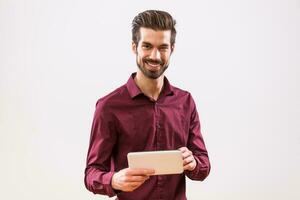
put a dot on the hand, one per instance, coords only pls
(128, 179)
(189, 162)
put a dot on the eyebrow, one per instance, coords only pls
(162, 45)
(147, 43)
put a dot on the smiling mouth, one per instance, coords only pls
(153, 64)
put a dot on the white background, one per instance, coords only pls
(239, 59)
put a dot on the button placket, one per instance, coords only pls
(158, 129)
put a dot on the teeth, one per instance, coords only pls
(153, 64)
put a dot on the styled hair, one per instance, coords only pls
(154, 19)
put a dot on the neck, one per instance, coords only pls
(150, 87)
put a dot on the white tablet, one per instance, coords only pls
(163, 162)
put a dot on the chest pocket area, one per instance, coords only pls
(175, 128)
(133, 128)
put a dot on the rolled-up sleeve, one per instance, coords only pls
(99, 166)
(197, 146)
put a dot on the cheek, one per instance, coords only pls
(165, 58)
(141, 55)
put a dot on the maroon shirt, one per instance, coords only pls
(127, 121)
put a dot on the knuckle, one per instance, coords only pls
(122, 179)
(125, 179)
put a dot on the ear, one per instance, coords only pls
(172, 48)
(133, 47)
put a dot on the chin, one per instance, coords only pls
(152, 74)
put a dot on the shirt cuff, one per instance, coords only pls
(106, 185)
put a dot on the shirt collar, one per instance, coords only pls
(134, 90)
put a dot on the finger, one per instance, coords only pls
(187, 154)
(189, 166)
(183, 149)
(188, 160)
(128, 187)
(136, 178)
(140, 171)
(133, 185)
(186, 167)
(192, 165)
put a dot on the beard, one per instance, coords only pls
(152, 74)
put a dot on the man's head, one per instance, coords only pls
(153, 39)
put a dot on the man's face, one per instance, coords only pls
(153, 52)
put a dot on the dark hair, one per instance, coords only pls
(154, 19)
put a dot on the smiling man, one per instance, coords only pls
(146, 114)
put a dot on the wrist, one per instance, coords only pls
(113, 182)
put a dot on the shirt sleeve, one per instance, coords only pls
(197, 146)
(99, 167)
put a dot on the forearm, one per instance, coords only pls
(197, 146)
(99, 168)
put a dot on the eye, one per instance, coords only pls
(164, 48)
(146, 46)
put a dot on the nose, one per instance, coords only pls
(155, 55)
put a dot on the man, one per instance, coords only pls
(146, 114)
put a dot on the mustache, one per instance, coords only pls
(153, 61)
